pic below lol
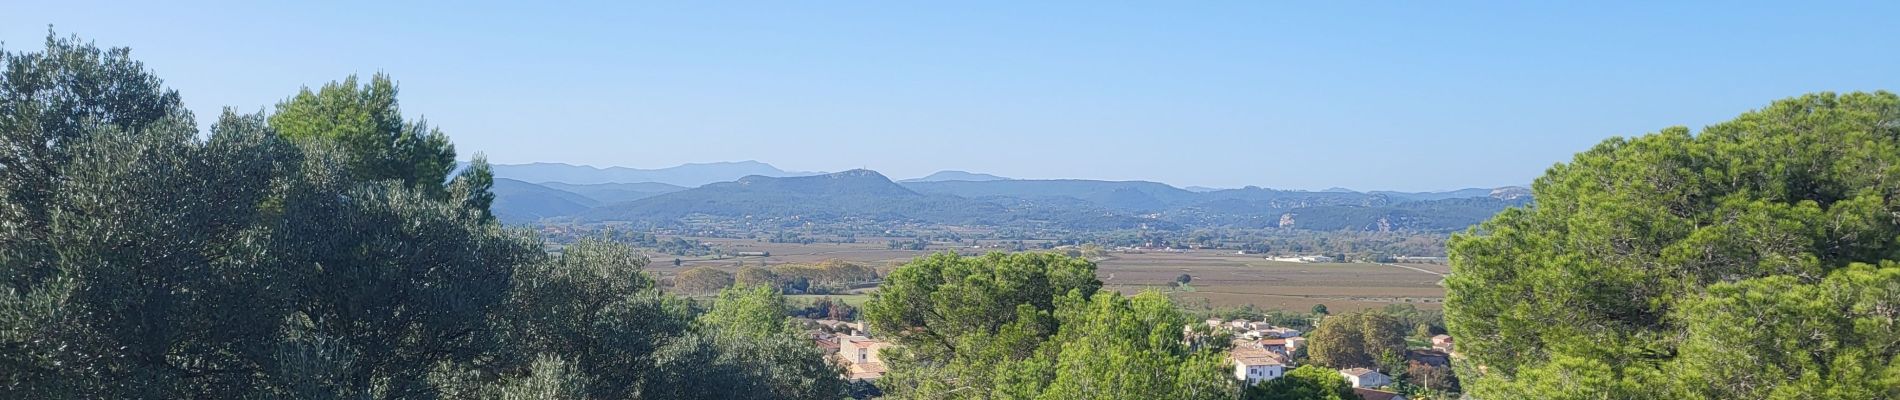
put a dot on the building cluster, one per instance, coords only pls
(1304, 259)
(849, 345)
(1263, 352)
(1260, 351)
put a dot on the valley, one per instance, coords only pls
(1143, 235)
(1220, 278)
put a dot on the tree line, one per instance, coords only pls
(1755, 259)
(327, 248)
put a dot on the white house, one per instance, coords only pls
(859, 349)
(1253, 365)
(1295, 343)
(860, 355)
(1365, 378)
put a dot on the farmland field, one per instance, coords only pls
(1220, 278)
(1225, 279)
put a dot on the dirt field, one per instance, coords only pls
(1224, 279)
(1220, 278)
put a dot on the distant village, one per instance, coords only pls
(1260, 352)
(1263, 352)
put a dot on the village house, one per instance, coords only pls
(864, 372)
(1295, 344)
(860, 355)
(1253, 365)
(1273, 345)
(1365, 378)
(1282, 332)
(825, 341)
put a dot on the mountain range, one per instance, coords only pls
(688, 175)
(953, 175)
(964, 198)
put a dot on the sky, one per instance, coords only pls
(1306, 95)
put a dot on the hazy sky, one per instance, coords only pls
(1375, 95)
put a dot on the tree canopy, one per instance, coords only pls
(367, 123)
(319, 252)
(1368, 339)
(1033, 325)
(1308, 382)
(1750, 260)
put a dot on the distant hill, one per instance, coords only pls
(864, 196)
(1116, 195)
(850, 195)
(688, 175)
(520, 202)
(609, 193)
(1439, 215)
(1453, 194)
(1511, 193)
(951, 175)
(817, 196)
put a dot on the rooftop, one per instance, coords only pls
(1358, 371)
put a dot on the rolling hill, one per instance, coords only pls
(848, 193)
(953, 175)
(519, 202)
(609, 193)
(687, 175)
(865, 196)
(1129, 196)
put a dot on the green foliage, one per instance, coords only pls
(1816, 335)
(755, 276)
(142, 260)
(1679, 265)
(828, 272)
(1033, 325)
(932, 303)
(701, 280)
(595, 306)
(1111, 347)
(771, 352)
(1368, 339)
(366, 124)
(1308, 382)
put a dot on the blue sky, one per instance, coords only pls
(1391, 95)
